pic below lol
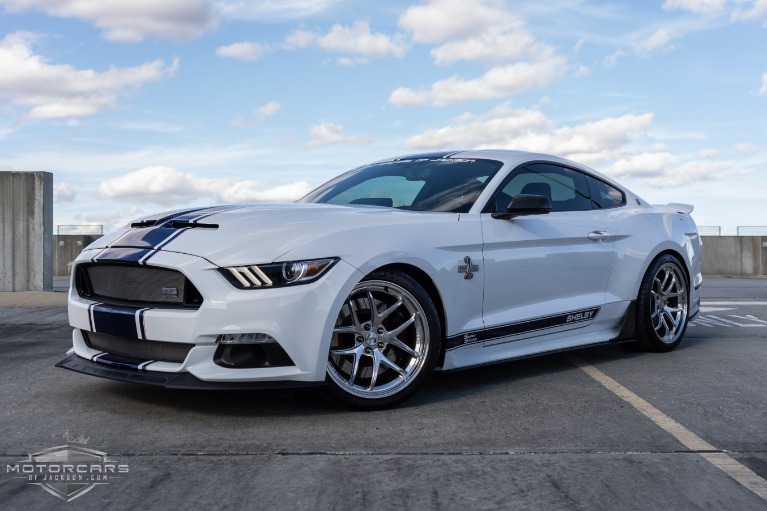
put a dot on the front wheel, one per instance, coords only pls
(662, 306)
(385, 344)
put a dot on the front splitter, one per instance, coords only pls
(172, 380)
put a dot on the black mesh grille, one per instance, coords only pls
(137, 348)
(145, 285)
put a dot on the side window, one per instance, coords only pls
(604, 196)
(565, 188)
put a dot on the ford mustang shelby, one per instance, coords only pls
(384, 274)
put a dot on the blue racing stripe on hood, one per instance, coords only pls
(122, 254)
(153, 236)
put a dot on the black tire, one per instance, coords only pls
(380, 359)
(662, 306)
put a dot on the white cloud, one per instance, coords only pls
(328, 133)
(442, 20)
(352, 61)
(500, 43)
(63, 192)
(659, 39)
(528, 129)
(168, 186)
(645, 165)
(583, 71)
(697, 6)
(268, 109)
(497, 82)
(130, 20)
(477, 31)
(356, 39)
(53, 91)
(708, 154)
(271, 10)
(612, 59)
(492, 128)
(245, 50)
(745, 148)
(757, 9)
(763, 89)
(665, 169)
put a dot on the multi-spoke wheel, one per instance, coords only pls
(385, 343)
(662, 305)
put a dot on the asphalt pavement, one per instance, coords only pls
(598, 428)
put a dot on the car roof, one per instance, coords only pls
(509, 158)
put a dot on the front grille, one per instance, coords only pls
(137, 348)
(136, 285)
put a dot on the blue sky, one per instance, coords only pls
(143, 105)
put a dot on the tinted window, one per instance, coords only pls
(565, 188)
(423, 184)
(604, 196)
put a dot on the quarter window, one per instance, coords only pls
(604, 196)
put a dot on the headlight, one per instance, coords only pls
(288, 273)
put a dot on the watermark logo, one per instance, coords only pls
(68, 471)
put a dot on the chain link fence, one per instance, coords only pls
(97, 230)
(710, 230)
(752, 230)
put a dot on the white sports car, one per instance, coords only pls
(384, 274)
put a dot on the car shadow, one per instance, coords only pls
(443, 386)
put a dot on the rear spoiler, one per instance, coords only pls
(685, 209)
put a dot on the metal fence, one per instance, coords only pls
(752, 230)
(710, 230)
(81, 229)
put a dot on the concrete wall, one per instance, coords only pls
(26, 231)
(66, 248)
(734, 255)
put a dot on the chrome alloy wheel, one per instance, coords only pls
(380, 342)
(668, 299)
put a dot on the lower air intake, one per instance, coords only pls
(137, 348)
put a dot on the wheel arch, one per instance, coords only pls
(678, 256)
(426, 282)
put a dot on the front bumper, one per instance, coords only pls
(171, 380)
(299, 318)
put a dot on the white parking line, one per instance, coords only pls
(742, 474)
(732, 303)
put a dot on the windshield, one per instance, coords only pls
(424, 184)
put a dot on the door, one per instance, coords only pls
(544, 273)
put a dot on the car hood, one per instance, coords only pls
(253, 234)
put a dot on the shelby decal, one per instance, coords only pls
(581, 316)
(521, 327)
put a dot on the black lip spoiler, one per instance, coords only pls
(172, 380)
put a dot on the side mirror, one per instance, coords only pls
(521, 205)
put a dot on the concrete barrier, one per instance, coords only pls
(26, 231)
(66, 249)
(741, 256)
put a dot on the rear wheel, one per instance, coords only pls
(662, 306)
(385, 343)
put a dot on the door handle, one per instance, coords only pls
(599, 236)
